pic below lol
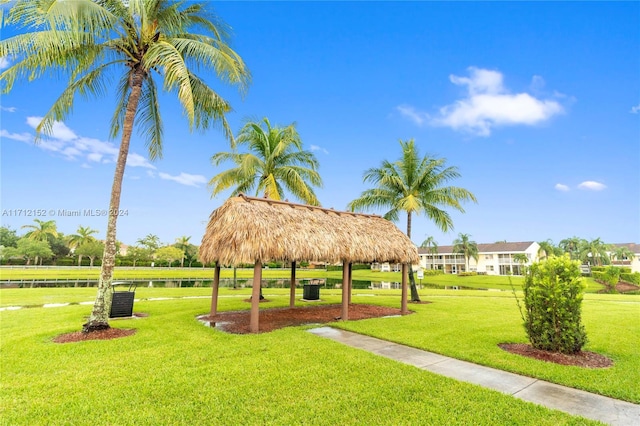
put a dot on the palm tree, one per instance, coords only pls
(275, 161)
(150, 241)
(43, 231)
(465, 246)
(546, 249)
(84, 235)
(572, 246)
(432, 247)
(522, 259)
(142, 40)
(183, 244)
(413, 185)
(623, 253)
(594, 252)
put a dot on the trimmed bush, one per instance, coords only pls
(631, 278)
(553, 297)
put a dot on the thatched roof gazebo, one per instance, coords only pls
(256, 230)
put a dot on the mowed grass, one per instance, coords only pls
(176, 371)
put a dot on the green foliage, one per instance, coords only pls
(598, 268)
(276, 161)
(8, 237)
(92, 249)
(631, 278)
(169, 254)
(354, 267)
(612, 275)
(29, 249)
(552, 299)
(467, 274)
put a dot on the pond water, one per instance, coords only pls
(330, 283)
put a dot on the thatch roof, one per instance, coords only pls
(247, 229)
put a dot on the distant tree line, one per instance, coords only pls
(43, 244)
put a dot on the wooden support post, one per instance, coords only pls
(292, 293)
(403, 304)
(255, 297)
(214, 291)
(350, 281)
(345, 292)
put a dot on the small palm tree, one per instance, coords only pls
(417, 185)
(138, 42)
(465, 246)
(432, 247)
(623, 253)
(522, 259)
(275, 161)
(546, 249)
(183, 244)
(594, 252)
(44, 231)
(84, 235)
(572, 246)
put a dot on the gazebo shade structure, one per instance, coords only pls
(257, 230)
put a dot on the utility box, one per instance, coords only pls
(122, 300)
(311, 292)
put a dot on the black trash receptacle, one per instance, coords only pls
(122, 301)
(311, 291)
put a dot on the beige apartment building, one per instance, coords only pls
(493, 259)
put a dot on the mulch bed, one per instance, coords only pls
(581, 359)
(237, 322)
(108, 334)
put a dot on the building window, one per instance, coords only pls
(489, 268)
(488, 256)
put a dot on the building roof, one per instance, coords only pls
(633, 247)
(517, 247)
(247, 229)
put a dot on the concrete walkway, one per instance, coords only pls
(569, 400)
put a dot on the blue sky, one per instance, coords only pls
(537, 104)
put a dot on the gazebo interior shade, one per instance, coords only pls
(247, 229)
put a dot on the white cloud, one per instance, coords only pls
(185, 179)
(635, 109)
(151, 173)
(95, 157)
(22, 137)
(8, 109)
(67, 143)
(487, 105)
(592, 185)
(318, 148)
(59, 130)
(4, 62)
(537, 83)
(561, 187)
(419, 118)
(137, 160)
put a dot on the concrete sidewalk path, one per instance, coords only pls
(569, 400)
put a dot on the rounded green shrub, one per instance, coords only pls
(553, 298)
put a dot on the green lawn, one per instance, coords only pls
(176, 371)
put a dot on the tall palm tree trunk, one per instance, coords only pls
(415, 297)
(99, 319)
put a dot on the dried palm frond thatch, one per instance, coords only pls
(247, 229)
